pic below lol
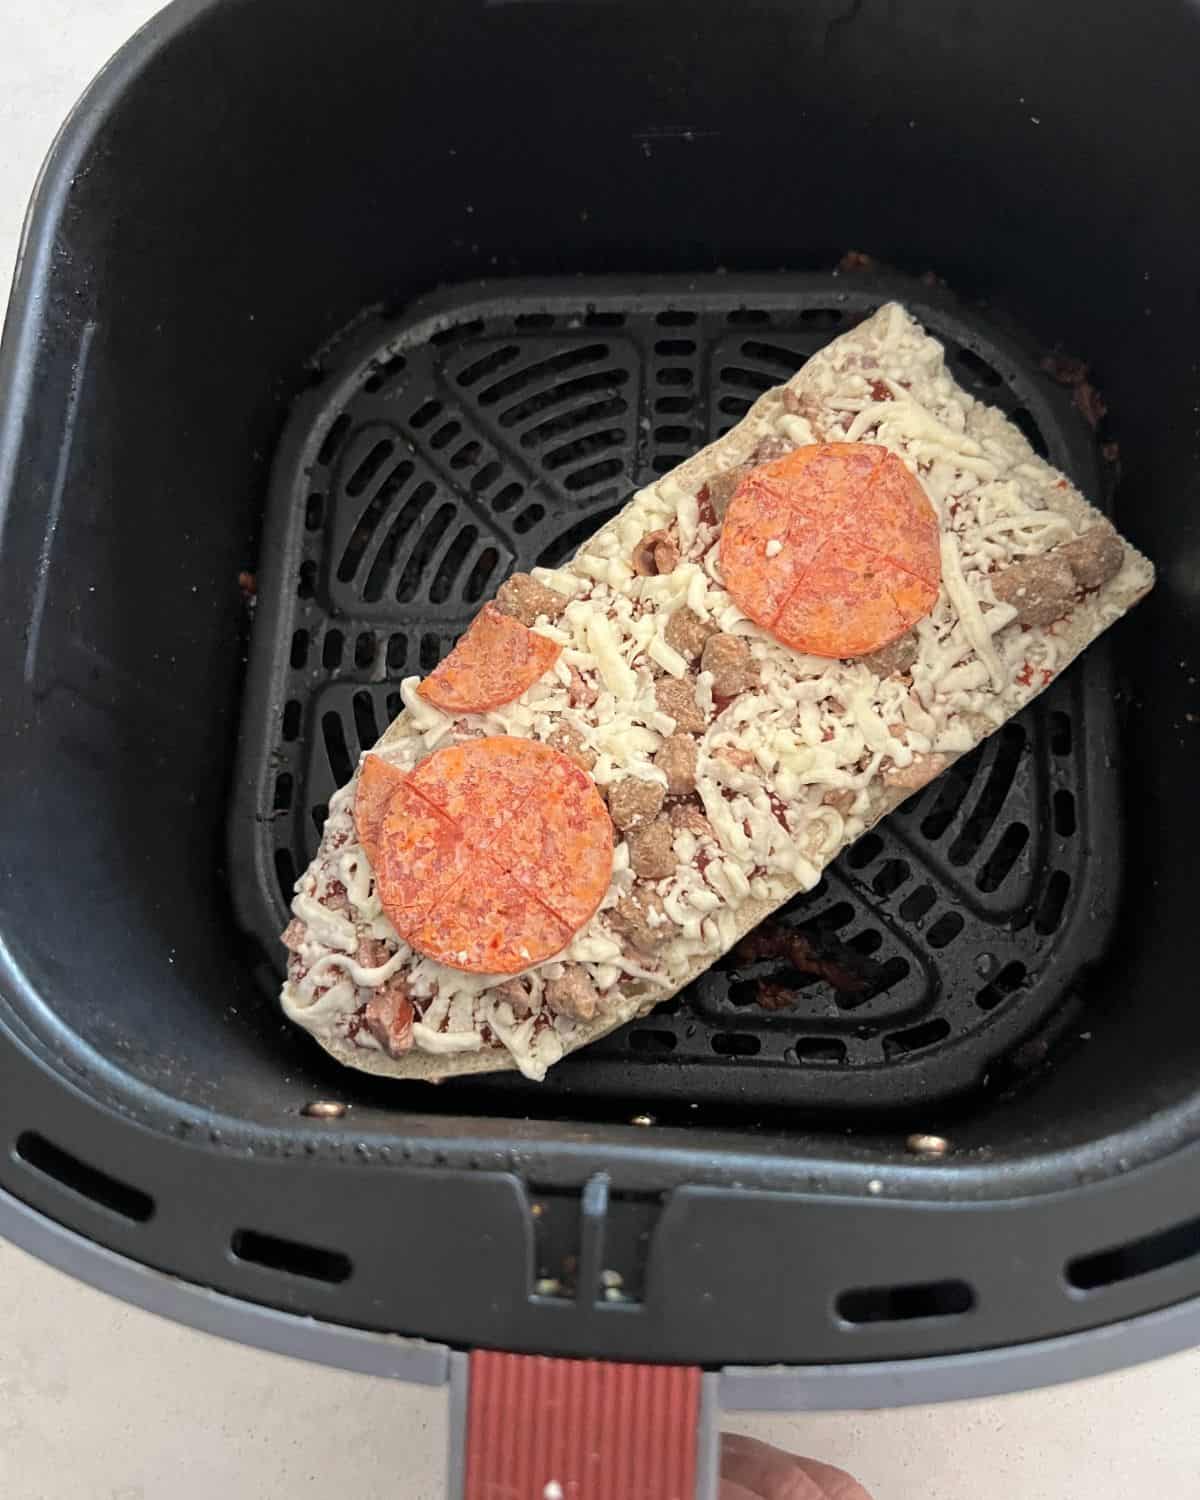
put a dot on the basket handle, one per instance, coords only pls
(529, 1427)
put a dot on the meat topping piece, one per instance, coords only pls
(514, 992)
(389, 1017)
(651, 852)
(728, 658)
(688, 817)
(573, 995)
(526, 599)
(641, 917)
(721, 488)
(582, 693)
(920, 770)
(686, 632)
(568, 741)
(898, 656)
(773, 446)
(632, 801)
(1094, 557)
(1041, 589)
(293, 935)
(677, 696)
(677, 756)
(841, 799)
(657, 552)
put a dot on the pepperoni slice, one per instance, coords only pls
(833, 548)
(377, 780)
(493, 664)
(480, 784)
(493, 853)
(845, 604)
(766, 546)
(487, 924)
(559, 844)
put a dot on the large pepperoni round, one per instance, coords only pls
(492, 854)
(833, 548)
(493, 664)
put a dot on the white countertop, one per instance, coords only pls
(99, 1401)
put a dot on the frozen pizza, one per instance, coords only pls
(629, 761)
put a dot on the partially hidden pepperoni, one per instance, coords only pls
(493, 853)
(377, 780)
(493, 664)
(833, 548)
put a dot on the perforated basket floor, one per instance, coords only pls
(495, 429)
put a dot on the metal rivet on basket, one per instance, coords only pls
(642, 1120)
(928, 1145)
(324, 1109)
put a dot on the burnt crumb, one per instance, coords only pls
(1067, 370)
(857, 260)
(932, 279)
(248, 587)
(847, 972)
(1090, 402)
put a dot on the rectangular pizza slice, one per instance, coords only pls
(631, 760)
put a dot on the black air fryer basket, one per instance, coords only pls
(326, 320)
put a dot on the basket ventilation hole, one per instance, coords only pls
(1060, 733)
(1010, 745)
(890, 877)
(369, 467)
(979, 371)
(646, 1040)
(819, 1049)
(736, 1044)
(334, 438)
(999, 864)
(285, 873)
(291, 719)
(83, 1180)
(917, 903)
(364, 650)
(864, 851)
(1064, 813)
(915, 1038)
(366, 730)
(290, 1256)
(901, 1304)
(1153, 1252)
(1009, 979)
(1053, 903)
(944, 930)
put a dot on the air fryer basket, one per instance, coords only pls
(648, 197)
(493, 430)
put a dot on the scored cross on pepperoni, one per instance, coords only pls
(490, 855)
(493, 664)
(833, 548)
